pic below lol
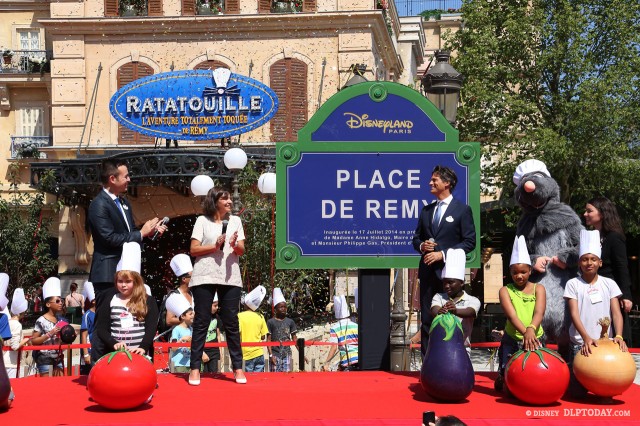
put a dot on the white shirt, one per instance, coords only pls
(443, 206)
(120, 206)
(465, 301)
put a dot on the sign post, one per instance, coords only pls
(351, 189)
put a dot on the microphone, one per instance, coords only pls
(225, 223)
(165, 220)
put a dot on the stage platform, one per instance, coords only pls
(302, 399)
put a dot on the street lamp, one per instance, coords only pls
(235, 159)
(358, 75)
(201, 184)
(442, 84)
(267, 185)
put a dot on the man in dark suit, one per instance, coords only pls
(111, 224)
(445, 224)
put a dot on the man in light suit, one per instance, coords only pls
(445, 224)
(111, 224)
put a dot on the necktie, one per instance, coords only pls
(119, 204)
(437, 215)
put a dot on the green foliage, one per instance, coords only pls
(555, 80)
(25, 254)
(307, 291)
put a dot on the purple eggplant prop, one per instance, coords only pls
(447, 373)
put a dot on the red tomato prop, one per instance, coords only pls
(122, 380)
(537, 377)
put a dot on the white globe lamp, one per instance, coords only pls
(267, 183)
(201, 184)
(235, 159)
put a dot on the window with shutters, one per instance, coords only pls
(288, 78)
(210, 7)
(287, 6)
(126, 74)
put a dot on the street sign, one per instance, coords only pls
(351, 189)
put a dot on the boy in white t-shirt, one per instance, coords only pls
(456, 300)
(591, 297)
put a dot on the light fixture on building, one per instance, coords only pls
(201, 184)
(358, 71)
(267, 183)
(442, 84)
(235, 159)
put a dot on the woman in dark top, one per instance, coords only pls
(601, 214)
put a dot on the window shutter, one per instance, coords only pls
(155, 7)
(232, 7)
(210, 65)
(264, 6)
(288, 78)
(126, 74)
(111, 8)
(309, 5)
(188, 7)
(297, 98)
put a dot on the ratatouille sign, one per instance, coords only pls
(194, 104)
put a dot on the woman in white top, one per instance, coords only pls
(217, 242)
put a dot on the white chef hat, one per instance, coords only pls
(278, 297)
(3, 304)
(254, 298)
(147, 289)
(131, 259)
(215, 296)
(529, 166)
(51, 288)
(4, 282)
(4, 285)
(590, 242)
(455, 265)
(355, 298)
(88, 291)
(181, 264)
(19, 303)
(520, 254)
(340, 307)
(177, 304)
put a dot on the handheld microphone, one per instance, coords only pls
(225, 223)
(165, 220)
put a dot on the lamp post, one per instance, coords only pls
(235, 159)
(442, 84)
(267, 185)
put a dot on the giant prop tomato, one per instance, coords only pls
(537, 377)
(122, 380)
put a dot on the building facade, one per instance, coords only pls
(64, 59)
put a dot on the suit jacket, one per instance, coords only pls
(615, 264)
(456, 230)
(109, 232)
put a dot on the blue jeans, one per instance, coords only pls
(254, 365)
(576, 390)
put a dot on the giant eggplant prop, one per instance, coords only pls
(447, 373)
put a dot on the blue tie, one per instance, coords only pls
(437, 215)
(119, 204)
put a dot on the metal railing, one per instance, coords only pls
(26, 61)
(415, 7)
(28, 146)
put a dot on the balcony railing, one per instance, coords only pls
(210, 7)
(26, 61)
(416, 7)
(28, 146)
